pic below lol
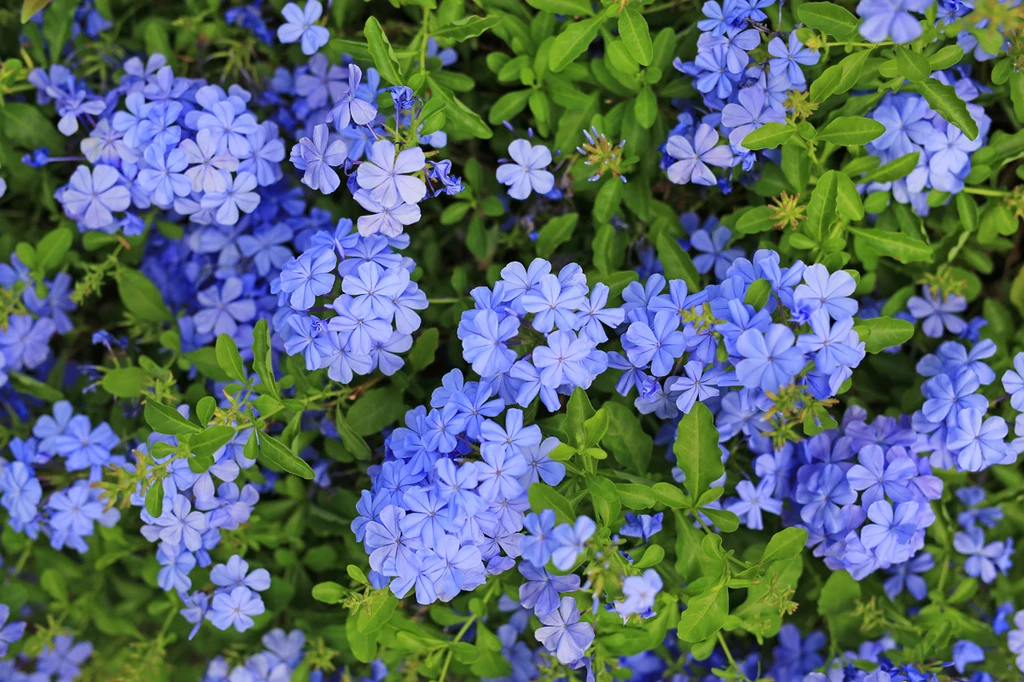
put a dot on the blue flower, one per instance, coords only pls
(753, 501)
(660, 344)
(562, 360)
(878, 475)
(907, 574)
(829, 291)
(308, 276)
(484, 338)
(235, 609)
(9, 632)
(301, 26)
(890, 529)
(572, 542)
(939, 314)
(789, 57)
(354, 106)
(223, 308)
(641, 526)
(91, 198)
(528, 173)
(769, 360)
(977, 444)
(563, 634)
(640, 592)
(453, 568)
(692, 160)
(387, 219)
(316, 157)
(541, 590)
(386, 172)
(714, 254)
(750, 112)
(884, 19)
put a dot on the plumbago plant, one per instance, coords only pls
(545, 340)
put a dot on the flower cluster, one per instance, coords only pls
(179, 144)
(944, 151)
(555, 321)
(682, 347)
(392, 175)
(64, 441)
(375, 314)
(41, 313)
(740, 92)
(192, 513)
(953, 418)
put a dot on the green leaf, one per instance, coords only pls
(756, 220)
(895, 245)
(821, 210)
(677, 262)
(466, 28)
(31, 7)
(605, 498)
(205, 409)
(556, 232)
(948, 56)
(383, 56)
(124, 382)
(543, 497)
(280, 455)
(375, 410)
(352, 441)
(758, 293)
(671, 496)
(768, 136)
(572, 42)
(229, 358)
(460, 115)
(210, 440)
(785, 544)
(841, 77)
(570, 8)
(851, 130)
(912, 65)
(652, 556)
(724, 520)
(32, 386)
(944, 100)
(423, 351)
(696, 450)
(636, 35)
(577, 411)
(848, 201)
(164, 419)
(54, 584)
(52, 248)
(625, 439)
(508, 106)
(155, 498)
(830, 18)
(894, 170)
(27, 127)
(880, 333)
(636, 496)
(262, 363)
(141, 297)
(645, 108)
(705, 615)
(329, 592)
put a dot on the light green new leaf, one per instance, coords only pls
(912, 65)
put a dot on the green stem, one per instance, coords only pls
(981, 191)
(441, 301)
(728, 655)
